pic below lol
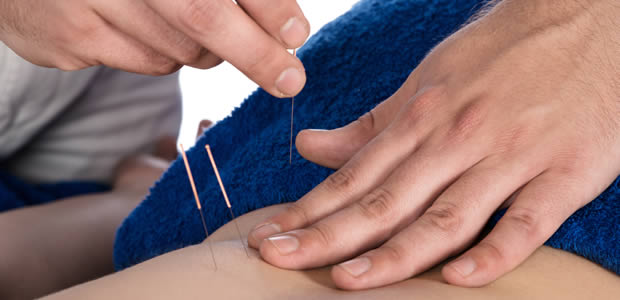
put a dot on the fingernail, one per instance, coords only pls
(465, 266)
(357, 267)
(317, 130)
(285, 244)
(290, 82)
(266, 230)
(293, 33)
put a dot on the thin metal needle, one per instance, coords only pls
(232, 215)
(290, 153)
(202, 217)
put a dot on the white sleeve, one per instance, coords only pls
(116, 115)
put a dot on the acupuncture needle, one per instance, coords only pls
(232, 215)
(202, 217)
(290, 153)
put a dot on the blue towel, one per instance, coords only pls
(16, 193)
(353, 64)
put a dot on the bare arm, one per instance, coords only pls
(189, 274)
(50, 247)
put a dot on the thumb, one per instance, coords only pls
(333, 148)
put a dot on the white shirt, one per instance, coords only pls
(58, 126)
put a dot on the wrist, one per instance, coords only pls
(593, 22)
(558, 12)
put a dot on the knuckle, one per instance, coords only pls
(200, 16)
(189, 54)
(260, 64)
(394, 252)
(446, 217)
(367, 122)
(570, 162)
(420, 107)
(298, 212)
(524, 220)
(166, 67)
(69, 63)
(323, 233)
(77, 29)
(342, 180)
(378, 205)
(491, 252)
(466, 122)
(415, 111)
(427, 100)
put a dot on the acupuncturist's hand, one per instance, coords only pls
(158, 36)
(520, 108)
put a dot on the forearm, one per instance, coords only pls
(50, 247)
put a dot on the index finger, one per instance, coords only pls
(226, 30)
(283, 19)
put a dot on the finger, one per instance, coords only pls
(449, 224)
(228, 32)
(202, 127)
(539, 209)
(113, 48)
(283, 19)
(139, 21)
(334, 148)
(366, 170)
(207, 60)
(374, 218)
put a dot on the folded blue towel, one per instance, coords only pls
(352, 64)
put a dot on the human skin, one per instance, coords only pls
(189, 273)
(159, 36)
(47, 248)
(519, 108)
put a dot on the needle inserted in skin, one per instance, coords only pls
(202, 217)
(290, 153)
(219, 180)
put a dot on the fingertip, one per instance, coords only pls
(268, 252)
(279, 256)
(468, 271)
(295, 32)
(323, 147)
(308, 142)
(350, 274)
(305, 138)
(373, 269)
(453, 275)
(253, 242)
(290, 82)
(261, 232)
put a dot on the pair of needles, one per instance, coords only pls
(219, 180)
(199, 206)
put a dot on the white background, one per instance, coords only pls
(212, 94)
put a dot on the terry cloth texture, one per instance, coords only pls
(15, 193)
(353, 64)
